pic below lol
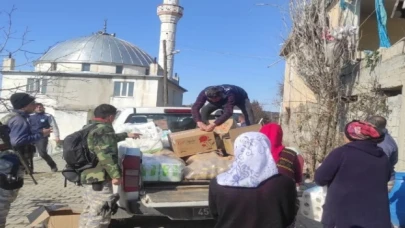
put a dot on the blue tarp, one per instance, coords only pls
(382, 23)
(343, 4)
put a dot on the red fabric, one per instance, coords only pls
(362, 131)
(275, 134)
(100, 120)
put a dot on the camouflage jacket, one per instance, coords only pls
(103, 142)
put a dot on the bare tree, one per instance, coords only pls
(321, 57)
(13, 43)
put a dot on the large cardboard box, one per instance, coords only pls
(234, 133)
(229, 139)
(228, 146)
(55, 216)
(190, 142)
(224, 128)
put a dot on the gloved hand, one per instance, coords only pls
(114, 203)
(110, 206)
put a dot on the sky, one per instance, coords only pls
(220, 41)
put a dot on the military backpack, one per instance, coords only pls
(77, 155)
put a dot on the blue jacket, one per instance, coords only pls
(390, 148)
(39, 121)
(20, 130)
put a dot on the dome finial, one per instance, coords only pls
(105, 26)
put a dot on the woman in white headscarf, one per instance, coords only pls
(252, 193)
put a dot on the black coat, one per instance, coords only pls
(270, 205)
(356, 175)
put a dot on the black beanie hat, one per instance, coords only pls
(21, 100)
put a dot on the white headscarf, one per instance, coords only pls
(253, 162)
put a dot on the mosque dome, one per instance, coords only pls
(100, 48)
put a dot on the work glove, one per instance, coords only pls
(110, 206)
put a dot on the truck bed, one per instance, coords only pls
(186, 193)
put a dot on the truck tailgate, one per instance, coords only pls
(176, 196)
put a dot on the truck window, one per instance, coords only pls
(138, 119)
(168, 121)
(174, 122)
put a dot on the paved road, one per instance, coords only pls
(50, 190)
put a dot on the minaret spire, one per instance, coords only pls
(169, 14)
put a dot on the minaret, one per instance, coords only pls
(169, 14)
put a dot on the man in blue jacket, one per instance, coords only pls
(224, 97)
(21, 139)
(39, 121)
(389, 146)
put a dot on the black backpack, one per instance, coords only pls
(77, 155)
(9, 181)
(5, 143)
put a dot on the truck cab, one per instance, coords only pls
(186, 200)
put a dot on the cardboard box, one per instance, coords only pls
(229, 139)
(228, 146)
(234, 133)
(190, 142)
(54, 216)
(224, 128)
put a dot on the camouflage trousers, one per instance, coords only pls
(92, 216)
(6, 198)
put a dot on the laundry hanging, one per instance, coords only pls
(382, 23)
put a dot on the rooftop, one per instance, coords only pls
(101, 48)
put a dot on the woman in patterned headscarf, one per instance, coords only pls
(252, 193)
(356, 175)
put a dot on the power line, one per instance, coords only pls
(226, 53)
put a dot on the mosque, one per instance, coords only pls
(76, 75)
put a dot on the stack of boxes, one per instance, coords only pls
(191, 142)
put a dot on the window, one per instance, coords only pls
(37, 85)
(123, 89)
(173, 122)
(119, 69)
(85, 66)
(54, 66)
(147, 71)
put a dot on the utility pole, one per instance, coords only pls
(165, 81)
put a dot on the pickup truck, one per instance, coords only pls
(187, 200)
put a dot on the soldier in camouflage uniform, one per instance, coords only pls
(98, 181)
(20, 138)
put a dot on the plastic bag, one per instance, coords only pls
(206, 166)
(163, 166)
(123, 128)
(150, 141)
(171, 168)
(150, 168)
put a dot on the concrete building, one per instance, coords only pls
(389, 72)
(76, 75)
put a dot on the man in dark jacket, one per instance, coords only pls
(41, 120)
(21, 138)
(389, 146)
(224, 97)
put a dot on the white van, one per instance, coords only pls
(187, 200)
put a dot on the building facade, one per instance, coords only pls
(389, 71)
(77, 75)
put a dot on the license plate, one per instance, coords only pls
(201, 212)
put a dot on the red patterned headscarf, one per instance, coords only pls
(361, 131)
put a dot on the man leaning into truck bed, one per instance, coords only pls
(224, 97)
